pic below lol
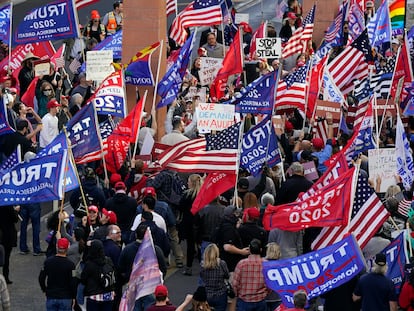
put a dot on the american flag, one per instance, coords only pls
(74, 66)
(403, 207)
(292, 90)
(299, 40)
(58, 59)
(226, 139)
(82, 3)
(106, 128)
(351, 64)
(191, 156)
(14, 159)
(320, 129)
(334, 32)
(171, 7)
(197, 13)
(368, 215)
(381, 84)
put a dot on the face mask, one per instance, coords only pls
(300, 63)
(66, 220)
(47, 93)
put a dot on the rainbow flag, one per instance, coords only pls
(397, 16)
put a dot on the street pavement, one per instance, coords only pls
(25, 291)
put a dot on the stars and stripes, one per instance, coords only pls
(298, 75)
(197, 13)
(368, 214)
(191, 156)
(226, 139)
(351, 64)
(171, 7)
(403, 207)
(79, 4)
(14, 159)
(299, 40)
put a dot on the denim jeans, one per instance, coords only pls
(93, 305)
(250, 306)
(144, 302)
(219, 303)
(30, 212)
(58, 304)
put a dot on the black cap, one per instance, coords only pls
(200, 294)
(380, 259)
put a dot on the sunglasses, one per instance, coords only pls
(48, 90)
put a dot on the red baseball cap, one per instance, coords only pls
(252, 212)
(317, 143)
(112, 219)
(63, 243)
(148, 191)
(93, 208)
(115, 178)
(291, 15)
(161, 290)
(120, 186)
(52, 104)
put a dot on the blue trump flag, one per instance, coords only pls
(258, 96)
(58, 145)
(315, 272)
(53, 21)
(36, 181)
(83, 133)
(255, 150)
(379, 28)
(5, 18)
(113, 43)
(169, 86)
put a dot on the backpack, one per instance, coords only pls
(107, 275)
(177, 189)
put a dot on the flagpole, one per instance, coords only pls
(136, 139)
(10, 36)
(62, 202)
(158, 75)
(355, 181)
(240, 139)
(307, 89)
(314, 108)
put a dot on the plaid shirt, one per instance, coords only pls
(248, 281)
(213, 279)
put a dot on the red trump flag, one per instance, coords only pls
(327, 207)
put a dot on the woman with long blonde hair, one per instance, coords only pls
(185, 228)
(213, 274)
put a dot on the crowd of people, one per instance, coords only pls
(90, 254)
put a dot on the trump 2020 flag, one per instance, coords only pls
(260, 146)
(379, 29)
(36, 181)
(138, 71)
(83, 133)
(5, 17)
(170, 84)
(145, 275)
(53, 21)
(14, 159)
(113, 43)
(332, 207)
(58, 145)
(318, 271)
(258, 96)
(403, 156)
(109, 98)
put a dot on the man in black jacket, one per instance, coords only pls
(56, 279)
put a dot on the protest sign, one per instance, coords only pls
(98, 64)
(113, 43)
(209, 68)
(323, 107)
(384, 108)
(268, 47)
(39, 180)
(110, 96)
(310, 171)
(315, 272)
(41, 67)
(259, 146)
(54, 21)
(194, 92)
(241, 18)
(382, 164)
(214, 117)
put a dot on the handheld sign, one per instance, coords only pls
(208, 69)
(98, 64)
(41, 67)
(382, 163)
(268, 47)
(214, 117)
